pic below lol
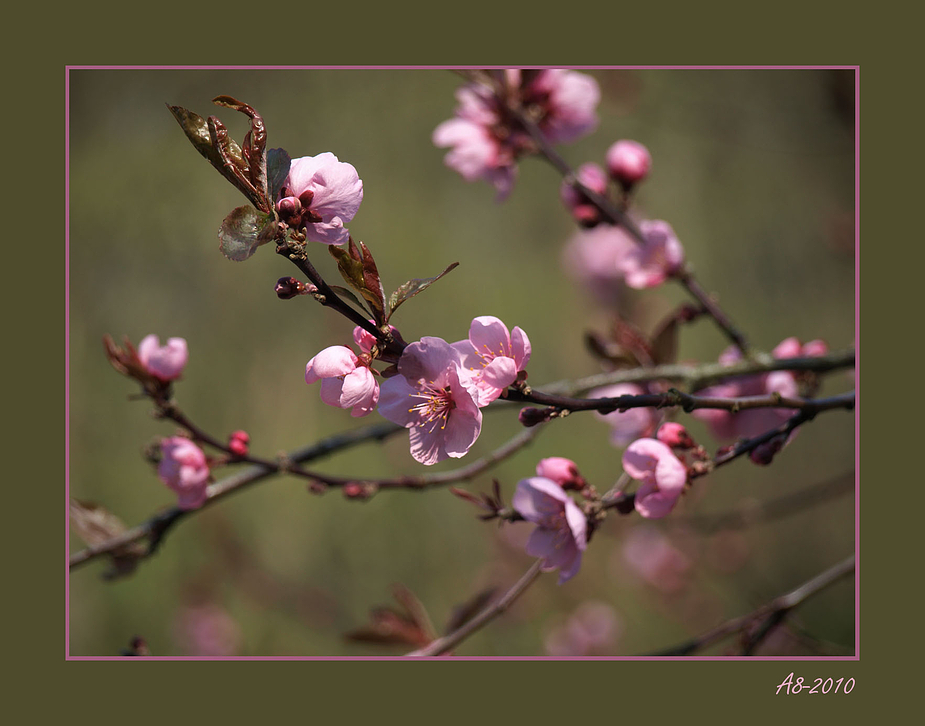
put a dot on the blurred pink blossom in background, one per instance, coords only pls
(592, 629)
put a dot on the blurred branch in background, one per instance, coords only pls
(757, 625)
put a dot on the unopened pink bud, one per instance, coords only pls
(675, 435)
(563, 472)
(628, 162)
(815, 348)
(592, 177)
(237, 443)
(163, 362)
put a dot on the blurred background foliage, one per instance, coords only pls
(754, 170)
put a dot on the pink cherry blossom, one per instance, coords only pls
(183, 468)
(627, 425)
(592, 177)
(650, 264)
(562, 528)
(207, 630)
(661, 473)
(592, 258)
(562, 471)
(476, 154)
(163, 362)
(569, 100)
(675, 435)
(434, 397)
(493, 356)
(485, 141)
(323, 194)
(727, 426)
(592, 629)
(346, 382)
(628, 162)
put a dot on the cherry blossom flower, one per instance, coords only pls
(562, 528)
(652, 556)
(562, 471)
(625, 426)
(477, 152)
(322, 194)
(628, 162)
(493, 356)
(183, 468)
(207, 630)
(163, 362)
(434, 397)
(592, 258)
(484, 142)
(650, 264)
(661, 473)
(568, 100)
(346, 380)
(728, 426)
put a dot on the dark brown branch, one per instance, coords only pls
(688, 402)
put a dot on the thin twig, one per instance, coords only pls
(760, 622)
(447, 642)
(220, 489)
(697, 376)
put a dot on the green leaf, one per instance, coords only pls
(412, 288)
(243, 231)
(351, 268)
(278, 163)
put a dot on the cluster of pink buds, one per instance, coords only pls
(238, 443)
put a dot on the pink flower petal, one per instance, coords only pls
(652, 503)
(329, 363)
(520, 348)
(489, 336)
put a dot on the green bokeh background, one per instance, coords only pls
(754, 170)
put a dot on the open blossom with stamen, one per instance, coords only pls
(562, 528)
(650, 264)
(164, 362)
(493, 355)
(346, 380)
(434, 397)
(322, 194)
(662, 474)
